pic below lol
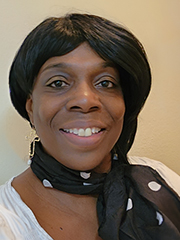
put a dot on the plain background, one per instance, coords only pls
(155, 22)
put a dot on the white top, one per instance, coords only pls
(17, 221)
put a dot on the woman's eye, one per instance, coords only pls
(57, 84)
(106, 84)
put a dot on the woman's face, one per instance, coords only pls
(77, 108)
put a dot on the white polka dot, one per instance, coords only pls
(154, 186)
(46, 183)
(87, 184)
(159, 217)
(85, 175)
(129, 204)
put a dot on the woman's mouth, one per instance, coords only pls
(83, 132)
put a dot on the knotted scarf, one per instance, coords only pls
(134, 202)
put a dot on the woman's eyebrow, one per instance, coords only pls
(57, 65)
(108, 64)
(63, 65)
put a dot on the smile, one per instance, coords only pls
(83, 132)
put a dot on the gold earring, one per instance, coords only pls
(32, 138)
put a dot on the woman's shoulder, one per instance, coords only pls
(6, 193)
(16, 220)
(171, 178)
(5, 213)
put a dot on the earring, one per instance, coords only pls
(32, 138)
(115, 155)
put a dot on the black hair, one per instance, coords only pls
(58, 36)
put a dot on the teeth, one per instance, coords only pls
(83, 132)
(88, 132)
(95, 130)
(75, 131)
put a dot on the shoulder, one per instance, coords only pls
(171, 178)
(16, 220)
(7, 217)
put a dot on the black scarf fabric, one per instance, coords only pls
(134, 202)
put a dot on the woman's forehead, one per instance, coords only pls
(81, 56)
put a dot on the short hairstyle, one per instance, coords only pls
(58, 36)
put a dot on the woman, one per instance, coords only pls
(81, 81)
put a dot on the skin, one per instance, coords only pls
(76, 90)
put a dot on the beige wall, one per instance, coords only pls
(155, 22)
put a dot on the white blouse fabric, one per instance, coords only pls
(17, 221)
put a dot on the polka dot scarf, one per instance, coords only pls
(137, 204)
(134, 202)
(55, 175)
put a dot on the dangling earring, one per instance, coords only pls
(32, 138)
(115, 155)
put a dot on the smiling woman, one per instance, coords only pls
(81, 81)
(89, 97)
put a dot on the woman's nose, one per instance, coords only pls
(84, 99)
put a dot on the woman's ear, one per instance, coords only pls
(29, 109)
